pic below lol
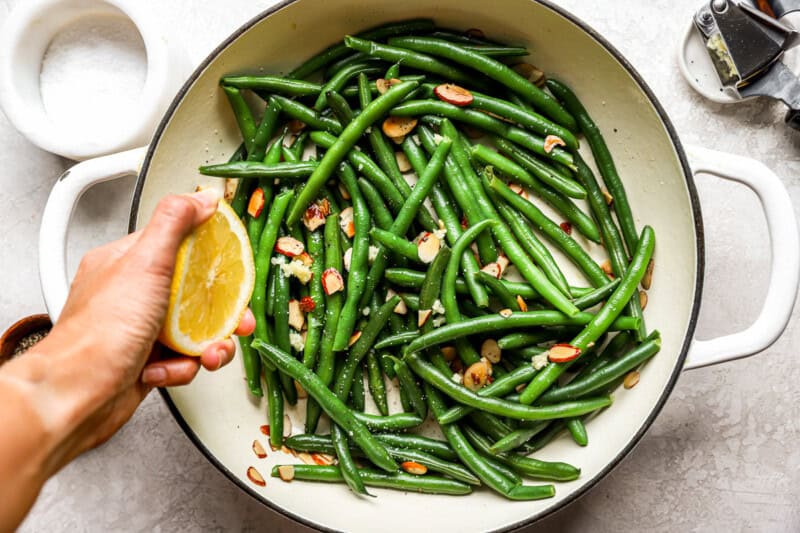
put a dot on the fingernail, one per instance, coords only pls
(207, 197)
(154, 375)
(221, 354)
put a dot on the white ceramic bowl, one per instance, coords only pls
(216, 411)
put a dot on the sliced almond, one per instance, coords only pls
(353, 338)
(530, 73)
(315, 215)
(264, 429)
(476, 376)
(643, 299)
(521, 303)
(323, 459)
(401, 308)
(347, 259)
(563, 353)
(287, 426)
(288, 451)
(231, 184)
(422, 316)
(256, 477)
(402, 162)
(306, 458)
(289, 246)
(493, 269)
(395, 127)
(286, 472)
(344, 192)
(505, 313)
(332, 281)
(259, 450)
(346, 222)
(631, 379)
(301, 392)
(297, 318)
(521, 387)
(453, 94)
(647, 279)
(518, 189)
(551, 141)
(305, 259)
(382, 85)
(503, 262)
(296, 126)
(566, 227)
(449, 353)
(414, 468)
(427, 247)
(256, 204)
(491, 350)
(606, 267)
(608, 197)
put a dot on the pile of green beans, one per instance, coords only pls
(384, 234)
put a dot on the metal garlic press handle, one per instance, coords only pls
(782, 84)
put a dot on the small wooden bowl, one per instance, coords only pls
(21, 329)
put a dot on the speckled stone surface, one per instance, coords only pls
(721, 457)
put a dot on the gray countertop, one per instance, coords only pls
(722, 456)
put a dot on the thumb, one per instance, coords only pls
(173, 219)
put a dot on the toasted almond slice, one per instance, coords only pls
(476, 376)
(353, 338)
(647, 279)
(563, 353)
(346, 222)
(382, 85)
(289, 246)
(286, 472)
(427, 247)
(402, 162)
(264, 429)
(551, 141)
(301, 392)
(631, 379)
(518, 189)
(288, 451)
(606, 266)
(414, 468)
(314, 216)
(306, 458)
(453, 94)
(305, 259)
(422, 316)
(256, 477)
(398, 140)
(503, 262)
(231, 184)
(523, 306)
(297, 318)
(296, 126)
(493, 269)
(643, 299)
(401, 308)
(347, 259)
(530, 73)
(505, 313)
(449, 353)
(608, 197)
(307, 304)
(395, 127)
(322, 459)
(566, 227)
(259, 450)
(344, 192)
(287, 426)
(332, 281)
(491, 350)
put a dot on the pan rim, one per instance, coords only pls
(700, 266)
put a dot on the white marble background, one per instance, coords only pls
(722, 456)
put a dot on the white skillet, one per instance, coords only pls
(216, 412)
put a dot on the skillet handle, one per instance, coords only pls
(785, 248)
(58, 212)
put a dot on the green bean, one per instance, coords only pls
(551, 230)
(435, 447)
(333, 306)
(533, 246)
(272, 84)
(397, 481)
(347, 466)
(366, 166)
(410, 59)
(463, 38)
(308, 116)
(341, 108)
(316, 320)
(498, 51)
(243, 115)
(357, 274)
(242, 195)
(395, 243)
(338, 80)
(336, 51)
(493, 69)
(357, 57)
(478, 119)
(507, 300)
(517, 438)
(274, 406)
(351, 91)
(546, 437)
(257, 169)
(269, 305)
(410, 386)
(600, 322)
(499, 387)
(380, 213)
(395, 422)
(377, 388)
(413, 279)
(252, 367)
(497, 406)
(398, 339)
(299, 145)
(564, 186)
(525, 339)
(332, 405)
(605, 162)
(596, 296)
(357, 396)
(393, 71)
(281, 330)
(560, 203)
(344, 144)
(489, 424)
(527, 466)
(578, 431)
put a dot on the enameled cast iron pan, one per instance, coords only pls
(215, 410)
